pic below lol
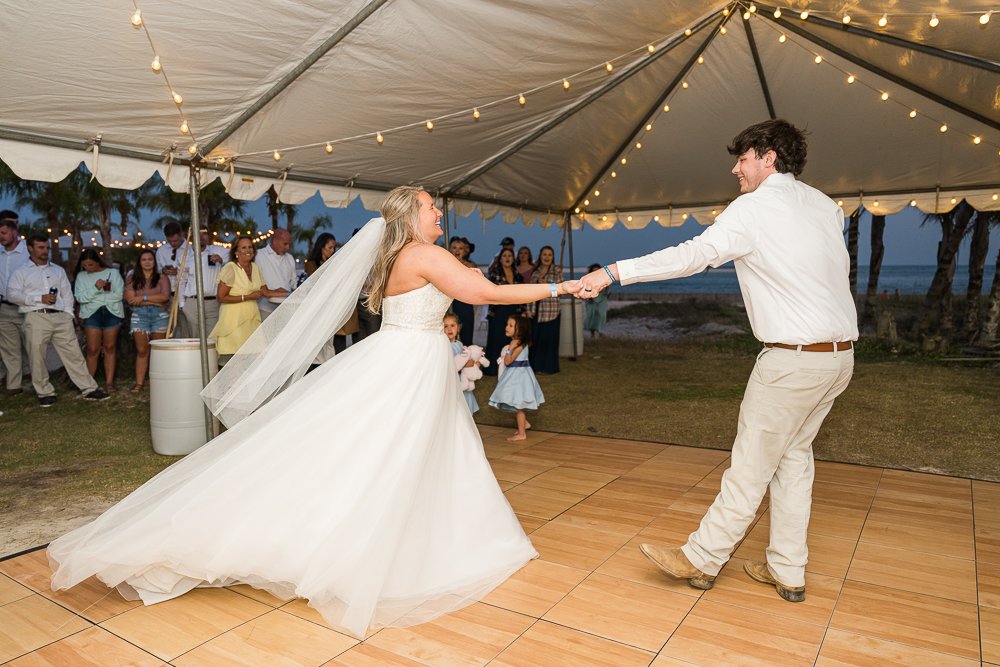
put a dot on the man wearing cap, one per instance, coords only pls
(45, 297)
(506, 243)
(13, 255)
(786, 241)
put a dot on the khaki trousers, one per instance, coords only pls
(12, 346)
(787, 398)
(191, 315)
(40, 329)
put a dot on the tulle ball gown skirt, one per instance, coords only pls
(363, 488)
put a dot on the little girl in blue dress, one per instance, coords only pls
(517, 389)
(452, 328)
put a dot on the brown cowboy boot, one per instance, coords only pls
(759, 571)
(674, 563)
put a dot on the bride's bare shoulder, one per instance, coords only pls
(410, 267)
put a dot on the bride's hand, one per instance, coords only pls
(569, 287)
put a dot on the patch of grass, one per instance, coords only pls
(686, 314)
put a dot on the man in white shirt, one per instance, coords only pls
(13, 255)
(168, 261)
(45, 298)
(277, 268)
(786, 241)
(212, 259)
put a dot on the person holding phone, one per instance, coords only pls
(99, 291)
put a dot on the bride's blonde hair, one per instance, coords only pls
(399, 209)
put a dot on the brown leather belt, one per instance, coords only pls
(814, 347)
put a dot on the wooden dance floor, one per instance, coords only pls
(904, 570)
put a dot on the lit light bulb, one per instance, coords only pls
(624, 161)
(804, 14)
(846, 19)
(746, 15)
(722, 30)
(521, 100)
(576, 210)
(777, 13)
(983, 20)
(725, 11)
(614, 174)
(379, 138)
(913, 113)
(597, 193)
(885, 96)
(818, 59)
(220, 160)
(178, 100)
(476, 114)
(850, 78)
(953, 200)
(629, 219)
(701, 59)
(137, 18)
(995, 197)
(604, 218)
(638, 145)
(687, 33)
(586, 202)
(609, 67)
(276, 155)
(943, 128)
(656, 218)
(934, 21)
(651, 49)
(649, 127)
(977, 140)
(329, 147)
(840, 202)
(565, 84)
(913, 202)
(684, 84)
(781, 40)
(752, 8)
(429, 125)
(184, 127)
(156, 66)
(666, 108)
(884, 21)
(684, 217)
(875, 204)
(192, 149)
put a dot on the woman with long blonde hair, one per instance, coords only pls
(393, 517)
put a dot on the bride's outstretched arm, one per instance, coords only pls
(438, 266)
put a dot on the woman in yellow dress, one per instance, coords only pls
(240, 285)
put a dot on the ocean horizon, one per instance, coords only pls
(907, 278)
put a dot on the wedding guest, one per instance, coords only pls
(546, 321)
(596, 309)
(212, 259)
(465, 312)
(240, 286)
(322, 250)
(99, 291)
(148, 293)
(277, 268)
(517, 389)
(13, 255)
(506, 243)
(525, 264)
(503, 273)
(45, 298)
(168, 261)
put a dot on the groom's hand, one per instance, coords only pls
(594, 282)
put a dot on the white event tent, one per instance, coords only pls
(534, 109)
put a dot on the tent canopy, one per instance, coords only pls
(595, 77)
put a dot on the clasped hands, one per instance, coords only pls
(591, 284)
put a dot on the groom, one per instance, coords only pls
(786, 241)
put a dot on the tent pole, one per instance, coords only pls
(760, 70)
(447, 226)
(200, 294)
(568, 221)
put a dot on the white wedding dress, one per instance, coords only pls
(363, 488)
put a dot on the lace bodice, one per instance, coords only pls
(421, 309)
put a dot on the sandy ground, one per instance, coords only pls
(30, 526)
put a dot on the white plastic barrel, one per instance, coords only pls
(566, 307)
(176, 411)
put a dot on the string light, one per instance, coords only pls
(624, 161)
(684, 84)
(818, 59)
(913, 113)
(178, 100)
(934, 21)
(977, 140)
(850, 78)
(983, 20)
(913, 202)
(429, 125)
(781, 40)
(193, 149)
(752, 8)
(155, 65)
(329, 147)
(276, 155)
(521, 100)
(804, 14)
(638, 145)
(184, 127)
(722, 30)
(846, 19)
(597, 193)
(687, 33)
(777, 13)
(649, 127)
(725, 11)
(884, 21)
(885, 96)
(475, 114)
(586, 202)
(666, 108)
(379, 138)
(608, 66)
(137, 18)
(565, 84)
(650, 48)
(746, 15)
(701, 60)
(943, 128)
(614, 174)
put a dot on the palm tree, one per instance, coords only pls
(306, 235)
(937, 304)
(852, 249)
(978, 250)
(988, 334)
(874, 267)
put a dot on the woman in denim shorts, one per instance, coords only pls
(148, 293)
(98, 289)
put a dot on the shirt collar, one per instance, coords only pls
(777, 178)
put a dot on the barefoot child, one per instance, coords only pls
(452, 328)
(517, 389)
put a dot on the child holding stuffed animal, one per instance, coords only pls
(517, 389)
(468, 361)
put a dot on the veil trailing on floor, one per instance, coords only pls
(279, 352)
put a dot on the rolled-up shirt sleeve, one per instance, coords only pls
(727, 239)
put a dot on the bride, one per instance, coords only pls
(363, 486)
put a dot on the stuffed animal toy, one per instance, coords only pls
(468, 376)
